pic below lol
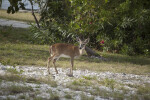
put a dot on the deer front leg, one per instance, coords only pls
(71, 69)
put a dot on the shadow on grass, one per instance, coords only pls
(138, 60)
(14, 35)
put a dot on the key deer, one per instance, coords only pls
(66, 50)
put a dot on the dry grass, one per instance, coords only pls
(23, 16)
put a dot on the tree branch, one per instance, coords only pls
(34, 14)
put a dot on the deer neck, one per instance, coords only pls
(81, 51)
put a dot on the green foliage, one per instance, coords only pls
(127, 50)
(52, 34)
(14, 6)
(122, 24)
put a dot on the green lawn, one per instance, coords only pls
(17, 48)
(22, 16)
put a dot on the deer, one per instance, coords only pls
(66, 50)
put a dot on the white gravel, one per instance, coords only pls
(62, 80)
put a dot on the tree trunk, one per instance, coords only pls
(34, 14)
(92, 53)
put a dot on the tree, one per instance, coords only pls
(122, 24)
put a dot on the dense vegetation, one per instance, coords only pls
(113, 25)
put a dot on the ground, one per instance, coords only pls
(35, 83)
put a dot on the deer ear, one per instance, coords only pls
(87, 40)
(78, 39)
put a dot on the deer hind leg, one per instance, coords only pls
(54, 61)
(48, 63)
(49, 59)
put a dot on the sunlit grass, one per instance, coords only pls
(23, 54)
(16, 48)
(23, 16)
(29, 54)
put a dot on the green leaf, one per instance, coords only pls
(106, 1)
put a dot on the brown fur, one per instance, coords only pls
(66, 50)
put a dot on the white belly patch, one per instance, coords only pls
(63, 55)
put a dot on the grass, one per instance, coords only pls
(85, 81)
(12, 77)
(109, 83)
(143, 90)
(18, 78)
(89, 77)
(47, 80)
(22, 97)
(14, 71)
(84, 97)
(17, 43)
(68, 96)
(15, 35)
(14, 89)
(53, 96)
(23, 16)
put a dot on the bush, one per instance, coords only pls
(123, 25)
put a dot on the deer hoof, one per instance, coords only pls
(49, 72)
(57, 72)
